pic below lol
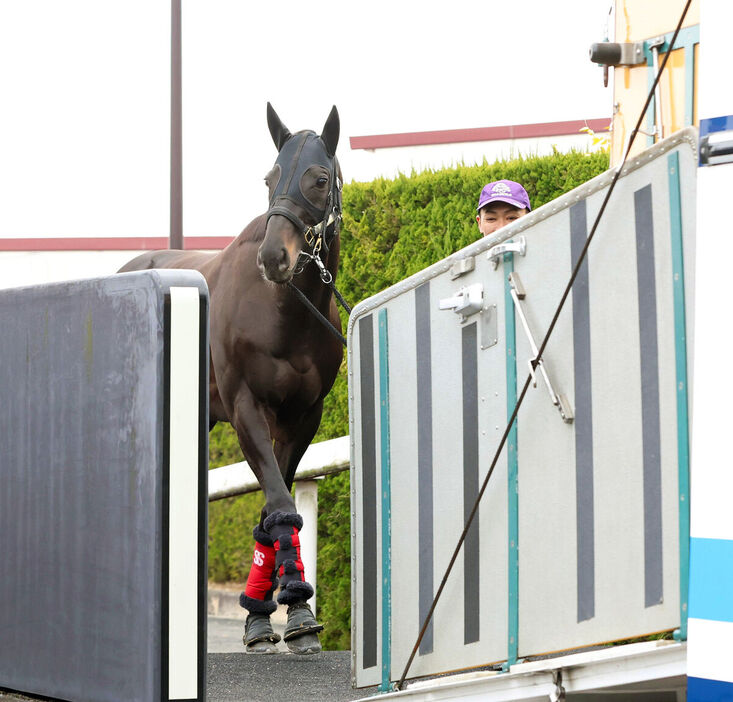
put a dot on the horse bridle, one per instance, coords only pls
(302, 151)
(320, 236)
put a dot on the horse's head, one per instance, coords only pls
(305, 197)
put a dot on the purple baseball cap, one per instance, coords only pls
(504, 191)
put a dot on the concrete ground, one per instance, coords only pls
(234, 675)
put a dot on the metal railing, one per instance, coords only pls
(321, 459)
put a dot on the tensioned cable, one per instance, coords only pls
(538, 357)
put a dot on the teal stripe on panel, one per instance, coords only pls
(680, 344)
(512, 467)
(711, 579)
(386, 498)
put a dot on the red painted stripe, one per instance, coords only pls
(111, 243)
(456, 136)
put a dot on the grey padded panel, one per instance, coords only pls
(82, 421)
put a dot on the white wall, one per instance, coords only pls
(367, 164)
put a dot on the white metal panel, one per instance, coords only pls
(618, 325)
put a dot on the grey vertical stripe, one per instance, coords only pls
(469, 368)
(369, 479)
(653, 586)
(586, 575)
(424, 460)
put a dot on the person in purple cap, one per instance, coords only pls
(500, 203)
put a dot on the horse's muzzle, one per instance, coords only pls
(278, 253)
(275, 265)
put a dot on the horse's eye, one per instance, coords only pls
(322, 181)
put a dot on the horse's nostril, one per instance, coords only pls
(283, 263)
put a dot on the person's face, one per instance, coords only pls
(497, 215)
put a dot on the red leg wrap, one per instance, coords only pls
(261, 576)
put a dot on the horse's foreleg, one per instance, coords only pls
(301, 631)
(288, 453)
(284, 527)
(250, 423)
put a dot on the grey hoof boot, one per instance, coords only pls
(301, 631)
(259, 638)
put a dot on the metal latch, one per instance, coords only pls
(560, 401)
(496, 252)
(468, 301)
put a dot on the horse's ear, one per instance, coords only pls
(330, 134)
(280, 133)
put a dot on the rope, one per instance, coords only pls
(339, 297)
(536, 360)
(326, 323)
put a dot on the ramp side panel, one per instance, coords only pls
(366, 504)
(635, 561)
(436, 475)
(83, 468)
(598, 498)
(82, 389)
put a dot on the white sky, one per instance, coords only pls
(85, 94)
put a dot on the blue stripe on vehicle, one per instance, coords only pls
(369, 484)
(650, 422)
(424, 461)
(583, 422)
(711, 579)
(680, 344)
(386, 495)
(705, 690)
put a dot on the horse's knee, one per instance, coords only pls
(284, 503)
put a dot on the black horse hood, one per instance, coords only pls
(300, 153)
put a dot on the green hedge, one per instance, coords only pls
(391, 229)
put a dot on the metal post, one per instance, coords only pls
(306, 502)
(175, 239)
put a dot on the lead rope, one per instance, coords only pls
(326, 323)
(536, 360)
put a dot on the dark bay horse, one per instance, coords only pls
(272, 361)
